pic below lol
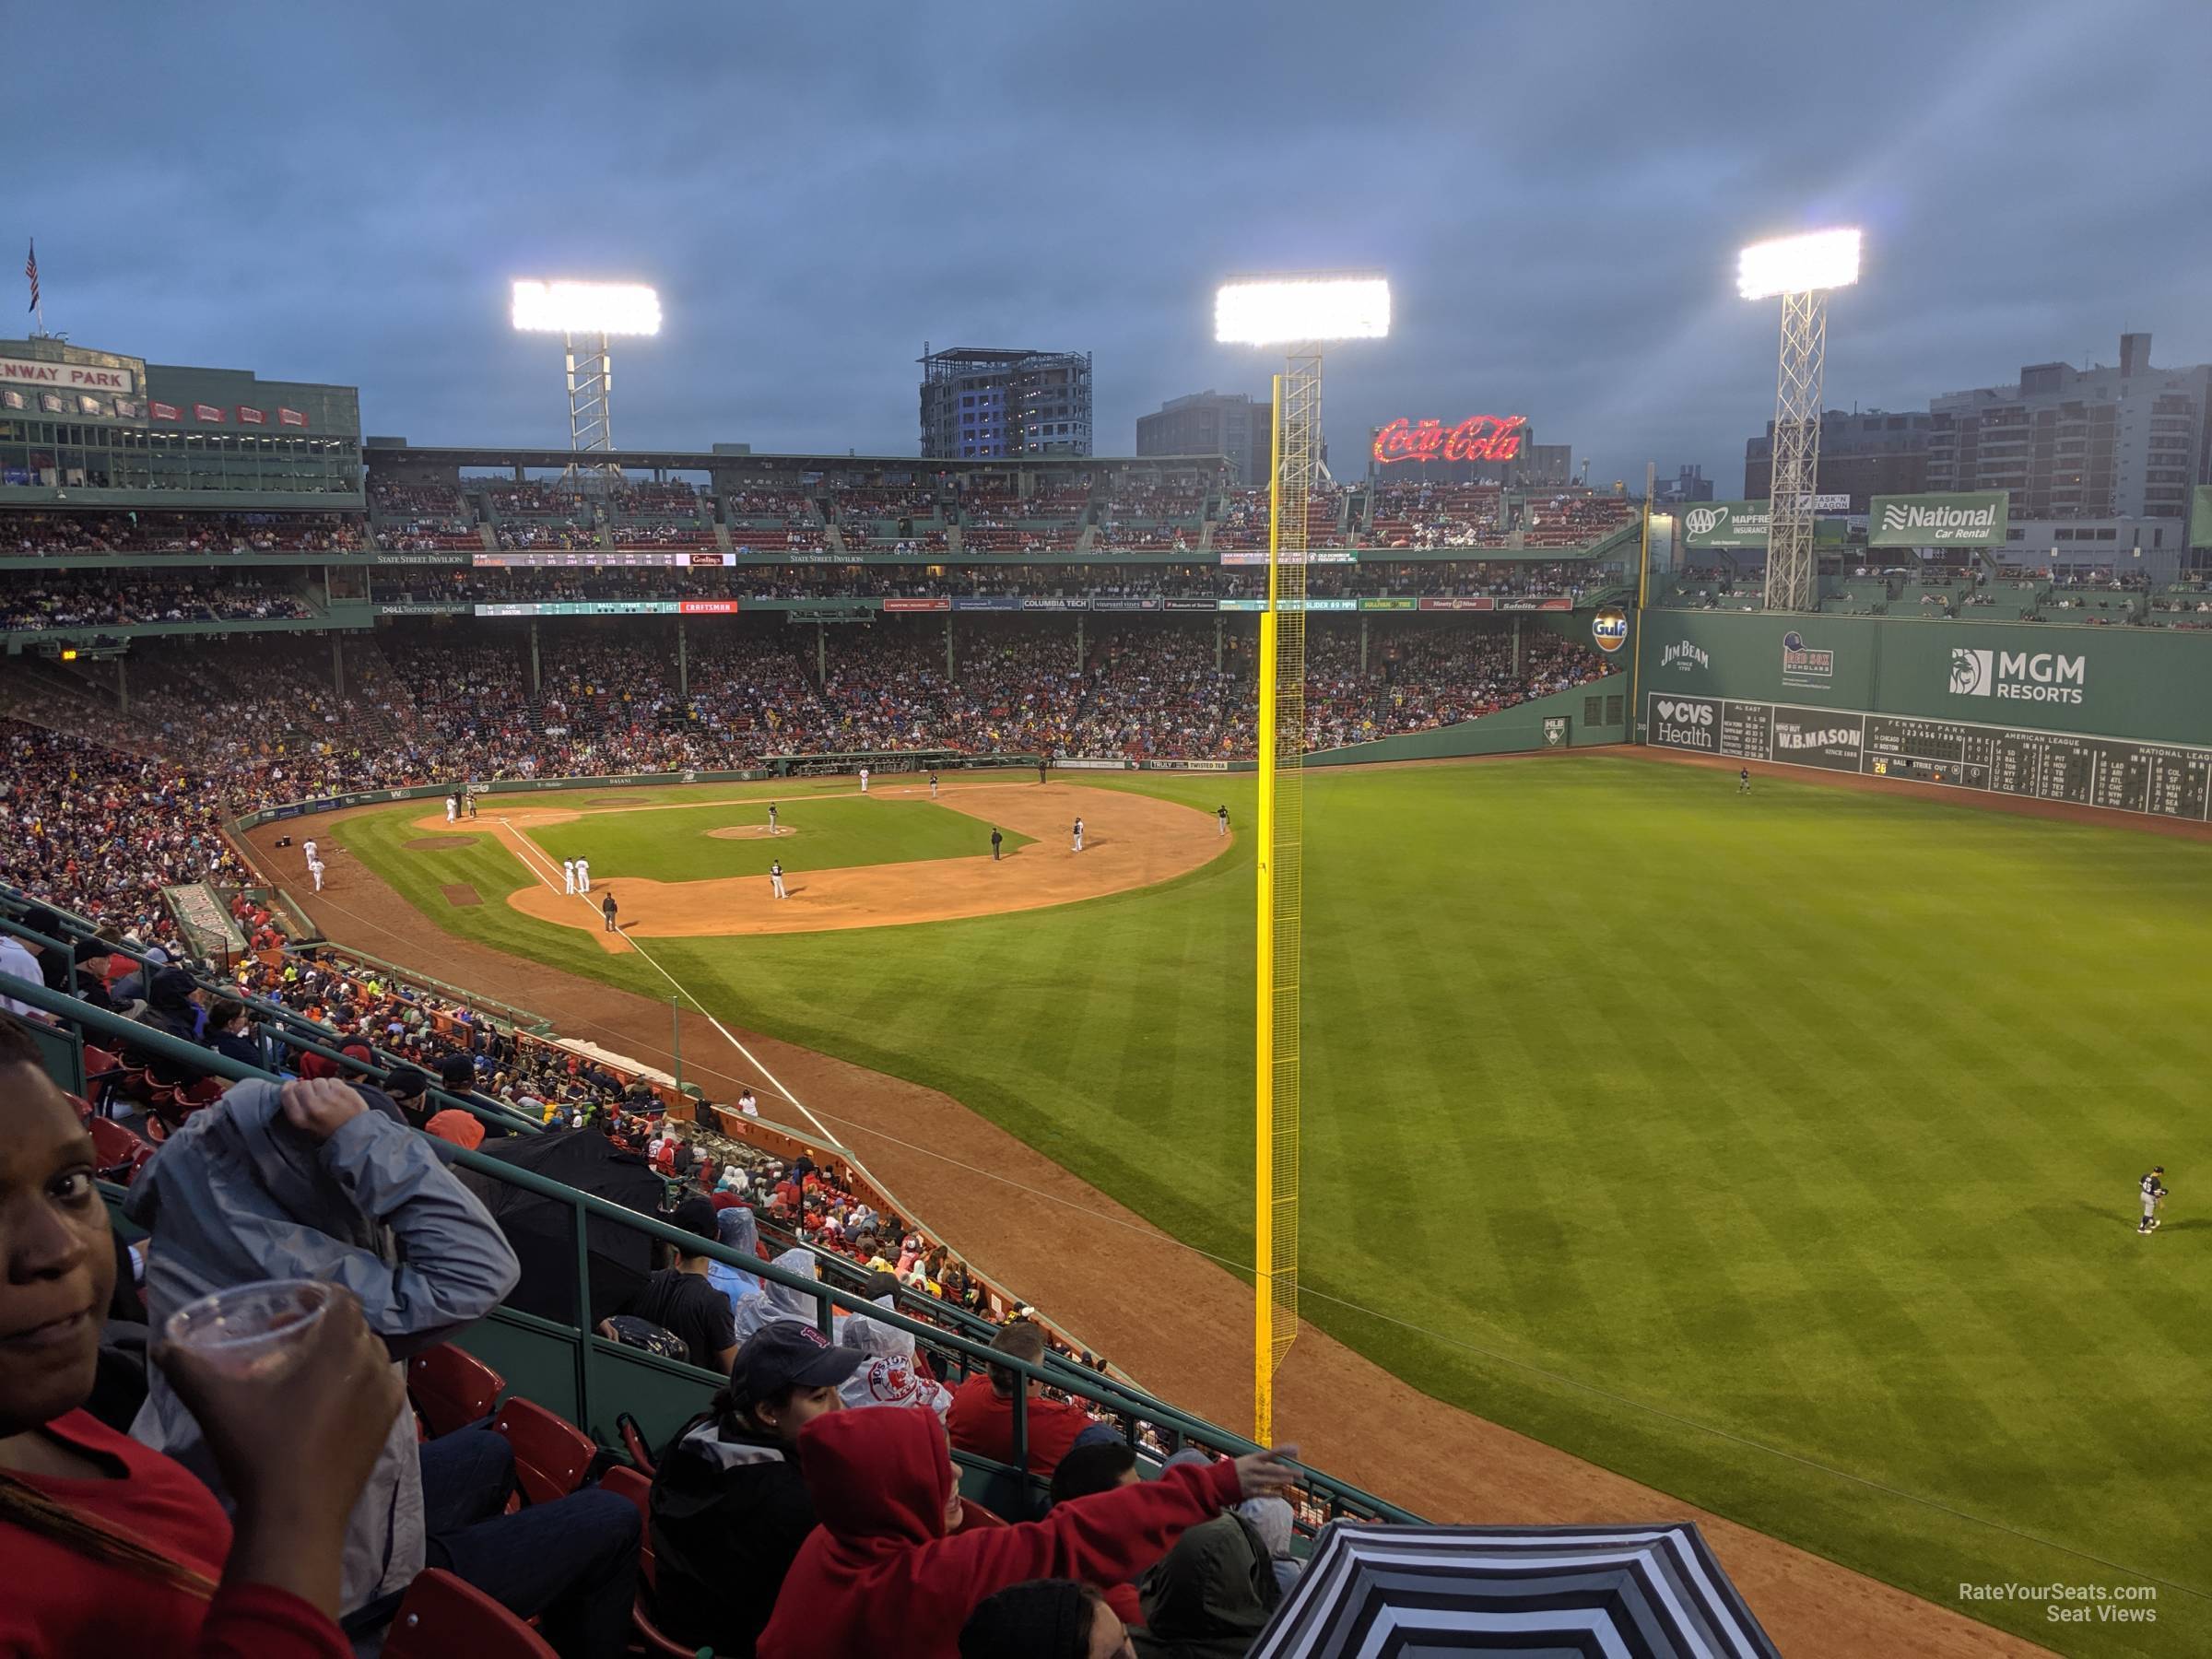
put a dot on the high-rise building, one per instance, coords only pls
(1213, 423)
(1862, 454)
(2126, 442)
(980, 401)
(1690, 484)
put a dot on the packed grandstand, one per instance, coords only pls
(460, 626)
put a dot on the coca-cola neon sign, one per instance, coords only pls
(1478, 437)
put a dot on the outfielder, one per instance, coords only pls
(568, 875)
(775, 878)
(2153, 1188)
(584, 874)
(1078, 835)
(1742, 779)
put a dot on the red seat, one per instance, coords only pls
(452, 1388)
(633, 1443)
(120, 1154)
(99, 1062)
(442, 1616)
(629, 1484)
(551, 1457)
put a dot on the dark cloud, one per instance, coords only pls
(1556, 193)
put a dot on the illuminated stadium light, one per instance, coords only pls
(1798, 265)
(586, 308)
(1284, 311)
(1801, 271)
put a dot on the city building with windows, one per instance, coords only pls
(1213, 423)
(2121, 442)
(1863, 453)
(982, 401)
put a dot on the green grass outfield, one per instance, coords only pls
(1779, 1152)
(822, 833)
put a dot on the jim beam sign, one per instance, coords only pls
(1963, 519)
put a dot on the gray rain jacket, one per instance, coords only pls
(239, 1195)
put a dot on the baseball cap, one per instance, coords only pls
(696, 1215)
(458, 1073)
(785, 1354)
(405, 1082)
(457, 1126)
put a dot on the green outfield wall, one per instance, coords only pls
(1596, 713)
(2152, 685)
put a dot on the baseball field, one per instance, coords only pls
(1777, 1151)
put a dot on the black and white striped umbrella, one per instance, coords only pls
(1538, 1592)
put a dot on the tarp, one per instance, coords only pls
(542, 1230)
(1413, 1592)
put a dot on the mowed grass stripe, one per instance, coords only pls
(1811, 1116)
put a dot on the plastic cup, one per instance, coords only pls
(251, 1330)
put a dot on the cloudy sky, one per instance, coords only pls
(1556, 191)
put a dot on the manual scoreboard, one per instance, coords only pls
(2165, 779)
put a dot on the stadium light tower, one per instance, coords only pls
(1298, 315)
(1801, 269)
(591, 312)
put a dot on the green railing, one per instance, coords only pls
(591, 1380)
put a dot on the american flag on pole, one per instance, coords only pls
(31, 270)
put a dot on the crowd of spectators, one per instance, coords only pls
(41, 533)
(82, 599)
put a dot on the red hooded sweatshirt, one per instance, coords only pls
(880, 1576)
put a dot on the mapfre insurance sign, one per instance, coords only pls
(65, 377)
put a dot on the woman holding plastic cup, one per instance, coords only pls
(110, 1547)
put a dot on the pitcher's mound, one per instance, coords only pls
(439, 843)
(746, 832)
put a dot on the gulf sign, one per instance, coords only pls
(1609, 628)
(1477, 437)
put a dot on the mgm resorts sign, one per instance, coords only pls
(2022, 676)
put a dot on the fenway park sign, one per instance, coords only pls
(1478, 437)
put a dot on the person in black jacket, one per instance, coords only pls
(730, 1508)
(229, 1034)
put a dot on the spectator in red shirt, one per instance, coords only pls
(889, 1569)
(981, 1418)
(111, 1546)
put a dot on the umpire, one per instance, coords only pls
(607, 909)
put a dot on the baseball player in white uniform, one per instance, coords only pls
(314, 868)
(308, 847)
(775, 878)
(568, 875)
(452, 808)
(1078, 835)
(584, 874)
(864, 780)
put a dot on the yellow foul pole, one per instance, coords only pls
(1263, 1351)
